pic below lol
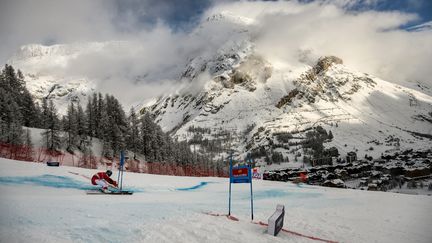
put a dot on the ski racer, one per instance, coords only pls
(103, 180)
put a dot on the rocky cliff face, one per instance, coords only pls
(330, 81)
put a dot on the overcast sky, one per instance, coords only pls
(369, 35)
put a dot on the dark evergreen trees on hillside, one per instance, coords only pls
(10, 119)
(103, 118)
(15, 101)
(12, 83)
(117, 125)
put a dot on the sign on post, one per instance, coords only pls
(240, 174)
(275, 222)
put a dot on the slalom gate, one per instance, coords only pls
(240, 174)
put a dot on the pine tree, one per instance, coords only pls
(146, 130)
(31, 118)
(15, 136)
(117, 124)
(70, 126)
(87, 159)
(9, 80)
(44, 114)
(20, 90)
(28, 144)
(90, 119)
(38, 116)
(15, 100)
(12, 119)
(81, 126)
(169, 156)
(133, 135)
(100, 108)
(160, 145)
(4, 114)
(104, 130)
(52, 134)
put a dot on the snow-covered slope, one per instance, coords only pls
(255, 99)
(49, 204)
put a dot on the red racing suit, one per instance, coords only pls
(102, 176)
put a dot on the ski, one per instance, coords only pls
(99, 192)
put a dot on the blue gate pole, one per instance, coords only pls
(120, 176)
(251, 193)
(121, 184)
(251, 179)
(119, 170)
(230, 171)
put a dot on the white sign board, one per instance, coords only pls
(275, 222)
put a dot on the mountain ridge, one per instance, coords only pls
(237, 91)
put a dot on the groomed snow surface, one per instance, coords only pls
(49, 204)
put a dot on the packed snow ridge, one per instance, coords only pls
(60, 210)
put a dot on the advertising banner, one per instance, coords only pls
(241, 174)
(256, 173)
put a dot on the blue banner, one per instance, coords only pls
(241, 174)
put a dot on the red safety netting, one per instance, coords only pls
(81, 160)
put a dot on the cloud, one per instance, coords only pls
(368, 41)
(156, 50)
(149, 41)
(63, 21)
(47, 21)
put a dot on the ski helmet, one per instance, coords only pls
(109, 173)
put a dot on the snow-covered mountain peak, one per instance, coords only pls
(221, 61)
(230, 17)
(254, 101)
(26, 52)
(427, 26)
(37, 50)
(224, 27)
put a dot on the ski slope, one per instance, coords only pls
(49, 204)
